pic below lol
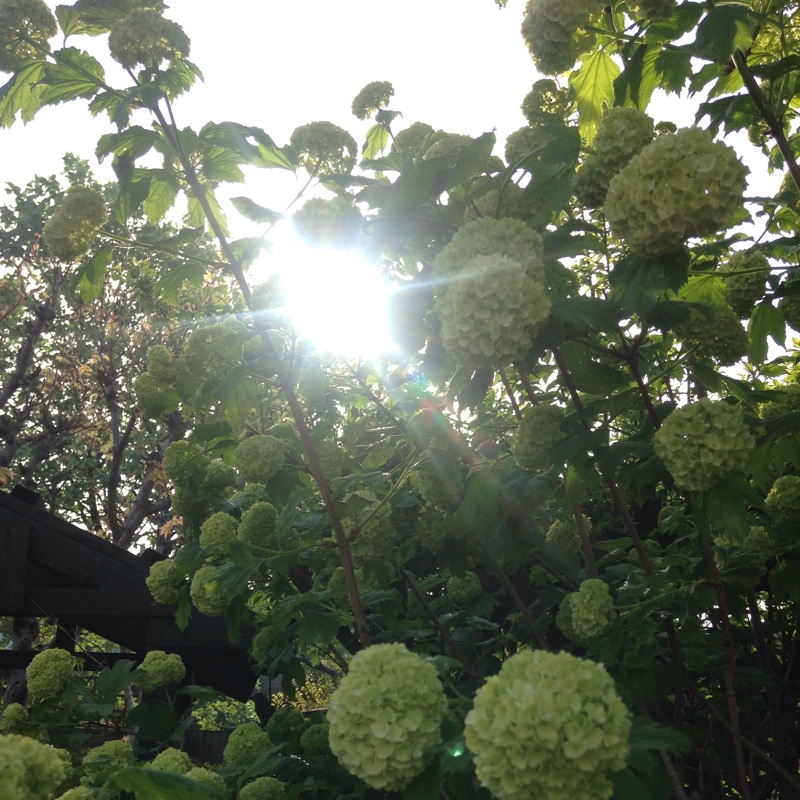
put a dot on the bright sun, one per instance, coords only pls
(337, 300)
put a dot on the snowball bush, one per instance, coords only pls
(160, 669)
(29, 770)
(537, 432)
(552, 31)
(69, 233)
(258, 458)
(163, 580)
(49, 672)
(245, 744)
(145, 38)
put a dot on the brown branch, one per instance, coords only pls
(523, 610)
(510, 393)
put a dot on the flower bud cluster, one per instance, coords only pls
(652, 9)
(210, 350)
(219, 477)
(431, 528)
(245, 744)
(373, 96)
(327, 223)
(258, 525)
(376, 536)
(105, 759)
(331, 457)
(757, 540)
(564, 535)
(163, 580)
(69, 233)
(522, 142)
(410, 140)
(702, 442)
(14, 719)
(546, 103)
(324, 148)
(258, 458)
(548, 725)
(78, 793)
(171, 760)
(29, 770)
(552, 29)
(583, 615)
(680, 185)
(180, 457)
(25, 25)
(790, 305)
(145, 38)
(264, 788)
(337, 584)
(445, 144)
(218, 533)
(263, 641)
(314, 741)
(160, 669)
(748, 279)
(493, 299)
(720, 335)
(783, 500)
(442, 492)
(622, 133)
(386, 711)
(49, 672)
(463, 590)
(538, 431)
(206, 593)
(207, 778)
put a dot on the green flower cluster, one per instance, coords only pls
(410, 140)
(179, 458)
(245, 744)
(69, 233)
(314, 741)
(314, 385)
(14, 719)
(207, 778)
(218, 533)
(101, 761)
(552, 29)
(206, 594)
(523, 142)
(720, 335)
(25, 25)
(373, 96)
(546, 103)
(210, 350)
(265, 637)
(171, 760)
(680, 185)
(492, 300)
(748, 279)
(652, 9)
(258, 525)
(538, 431)
(163, 580)
(264, 788)
(337, 585)
(160, 669)
(431, 528)
(145, 38)
(783, 500)
(757, 540)
(445, 144)
(463, 590)
(49, 672)
(442, 492)
(788, 399)
(583, 615)
(160, 365)
(328, 223)
(564, 535)
(287, 724)
(78, 793)
(550, 726)
(702, 442)
(386, 711)
(789, 305)
(376, 537)
(331, 457)
(514, 203)
(622, 133)
(258, 458)
(219, 477)
(324, 148)
(29, 770)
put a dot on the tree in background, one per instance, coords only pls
(549, 546)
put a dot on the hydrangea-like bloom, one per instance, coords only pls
(206, 594)
(409, 141)
(720, 336)
(172, 760)
(373, 96)
(622, 133)
(179, 458)
(376, 536)
(757, 539)
(546, 103)
(386, 711)
(14, 719)
(29, 770)
(245, 744)
(680, 185)
(564, 535)
(331, 457)
(443, 492)
(207, 778)
(145, 38)
(49, 672)
(163, 581)
(513, 204)
(264, 639)
(462, 591)
(24, 26)
(702, 442)
(431, 528)
(218, 533)
(790, 305)
(537, 432)
(445, 144)
(69, 233)
(286, 725)
(258, 524)
(258, 458)
(588, 610)
(337, 585)
(160, 669)
(549, 726)
(160, 365)
(219, 477)
(314, 741)
(652, 9)
(78, 793)
(328, 222)
(107, 758)
(747, 281)
(522, 142)
(783, 500)
(324, 148)
(552, 29)
(264, 788)
(491, 299)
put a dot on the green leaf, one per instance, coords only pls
(21, 94)
(377, 139)
(112, 680)
(724, 507)
(74, 74)
(247, 208)
(705, 289)
(636, 281)
(318, 627)
(197, 215)
(164, 188)
(765, 321)
(635, 85)
(91, 274)
(155, 720)
(724, 29)
(594, 90)
(133, 142)
(151, 784)
(649, 735)
(269, 155)
(69, 19)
